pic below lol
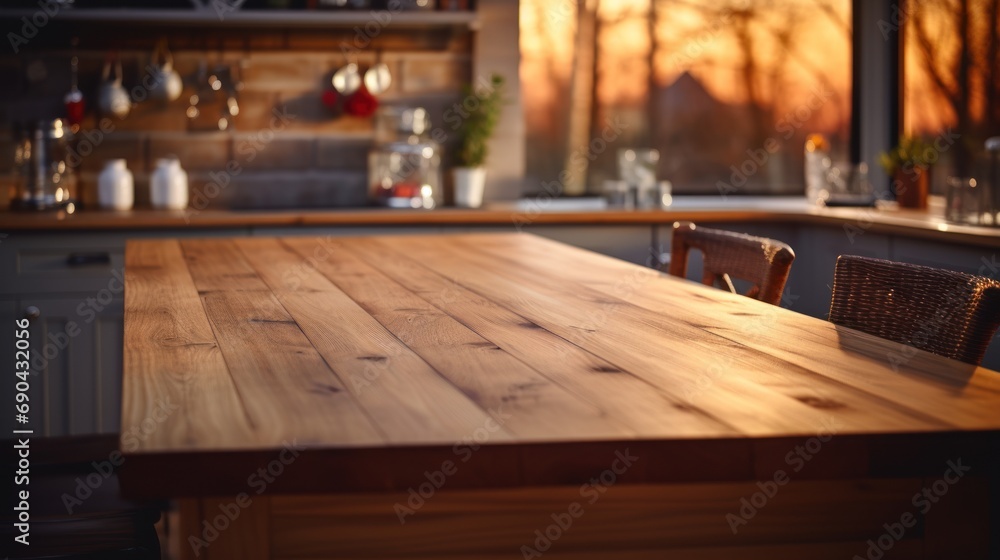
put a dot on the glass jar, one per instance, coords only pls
(964, 201)
(992, 187)
(43, 166)
(395, 124)
(404, 167)
(818, 166)
(405, 175)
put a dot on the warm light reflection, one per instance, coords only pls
(932, 58)
(689, 39)
(704, 83)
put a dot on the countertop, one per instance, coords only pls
(528, 212)
(390, 349)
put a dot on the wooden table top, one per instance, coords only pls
(521, 359)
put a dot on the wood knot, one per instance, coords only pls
(323, 389)
(824, 404)
(379, 359)
(486, 345)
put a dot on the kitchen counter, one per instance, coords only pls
(924, 224)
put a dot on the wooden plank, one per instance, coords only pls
(404, 395)
(626, 519)
(530, 405)
(409, 399)
(247, 537)
(288, 390)
(188, 515)
(216, 265)
(641, 406)
(632, 338)
(177, 391)
(960, 522)
(924, 383)
(910, 549)
(284, 270)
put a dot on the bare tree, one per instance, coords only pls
(831, 12)
(785, 38)
(581, 96)
(653, 22)
(991, 79)
(954, 75)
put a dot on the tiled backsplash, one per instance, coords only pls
(290, 149)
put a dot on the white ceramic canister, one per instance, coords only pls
(115, 186)
(168, 187)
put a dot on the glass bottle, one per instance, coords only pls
(404, 167)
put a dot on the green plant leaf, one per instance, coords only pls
(483, 108)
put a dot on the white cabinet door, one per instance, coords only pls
(76, 365)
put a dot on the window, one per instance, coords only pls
(727, 91)
(951, 81)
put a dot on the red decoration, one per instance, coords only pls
(361, 103)
(330, 99)
(74, 107)
(406, 190)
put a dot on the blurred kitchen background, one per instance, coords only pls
(705, 84)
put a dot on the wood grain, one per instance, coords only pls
(217, 265)
(739, 390)
(636, 520)
(173, 361)
(288, 390)
(384, 356)
(642, 405)
(405, 396)
(526, 402)
(922, 384)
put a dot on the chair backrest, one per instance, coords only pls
(763, 262)
(948, 313)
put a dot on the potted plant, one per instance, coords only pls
(909, 166)
(480, 119)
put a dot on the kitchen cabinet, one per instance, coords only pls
(75, 359)
(982, 261)
(816, 251)
(628, 243)
(70, 287)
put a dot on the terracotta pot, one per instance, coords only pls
(911, 188)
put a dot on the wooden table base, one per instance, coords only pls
(809, 519)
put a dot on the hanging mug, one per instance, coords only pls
(113, 98)
(167, 83)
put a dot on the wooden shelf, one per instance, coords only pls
(263, 18)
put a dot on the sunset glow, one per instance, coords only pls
(688, 41)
